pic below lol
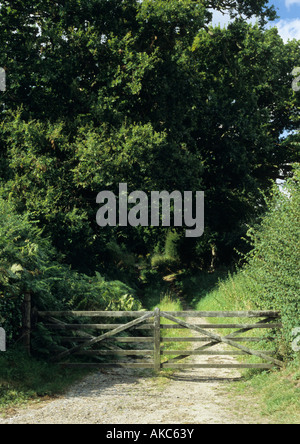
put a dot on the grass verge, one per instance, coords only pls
(274, 396)
(25, 379)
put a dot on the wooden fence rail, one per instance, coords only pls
(86, 331)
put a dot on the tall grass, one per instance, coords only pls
(24, 379)
(230, 294)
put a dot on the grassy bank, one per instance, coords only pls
(24, 380)
(274, 395)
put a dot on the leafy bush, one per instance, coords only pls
(22, 260)
(95, 293)
(163, 263)
(170, 260)
(270, 278)
(30, 264)
(273, 264)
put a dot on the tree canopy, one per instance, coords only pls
(146, 93)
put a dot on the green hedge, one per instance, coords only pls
(273, 264)
(269, 280)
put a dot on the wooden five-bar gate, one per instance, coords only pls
(135, 335)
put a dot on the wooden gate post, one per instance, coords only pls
(27, 322)
(157, 340)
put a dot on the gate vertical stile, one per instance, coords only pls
(157, 340)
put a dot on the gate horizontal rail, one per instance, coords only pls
(181, 314)
(152, 340)
(180, 327)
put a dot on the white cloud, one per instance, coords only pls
(289, 29)
(289, 3)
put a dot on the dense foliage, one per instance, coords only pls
(269, 278)
(273, 266)
(29, 264)
(145, 93)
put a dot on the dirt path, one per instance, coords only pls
(193, 396)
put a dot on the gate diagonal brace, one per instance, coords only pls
(103, 337)
(84, 334)
(212, 344)
(220, 339)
